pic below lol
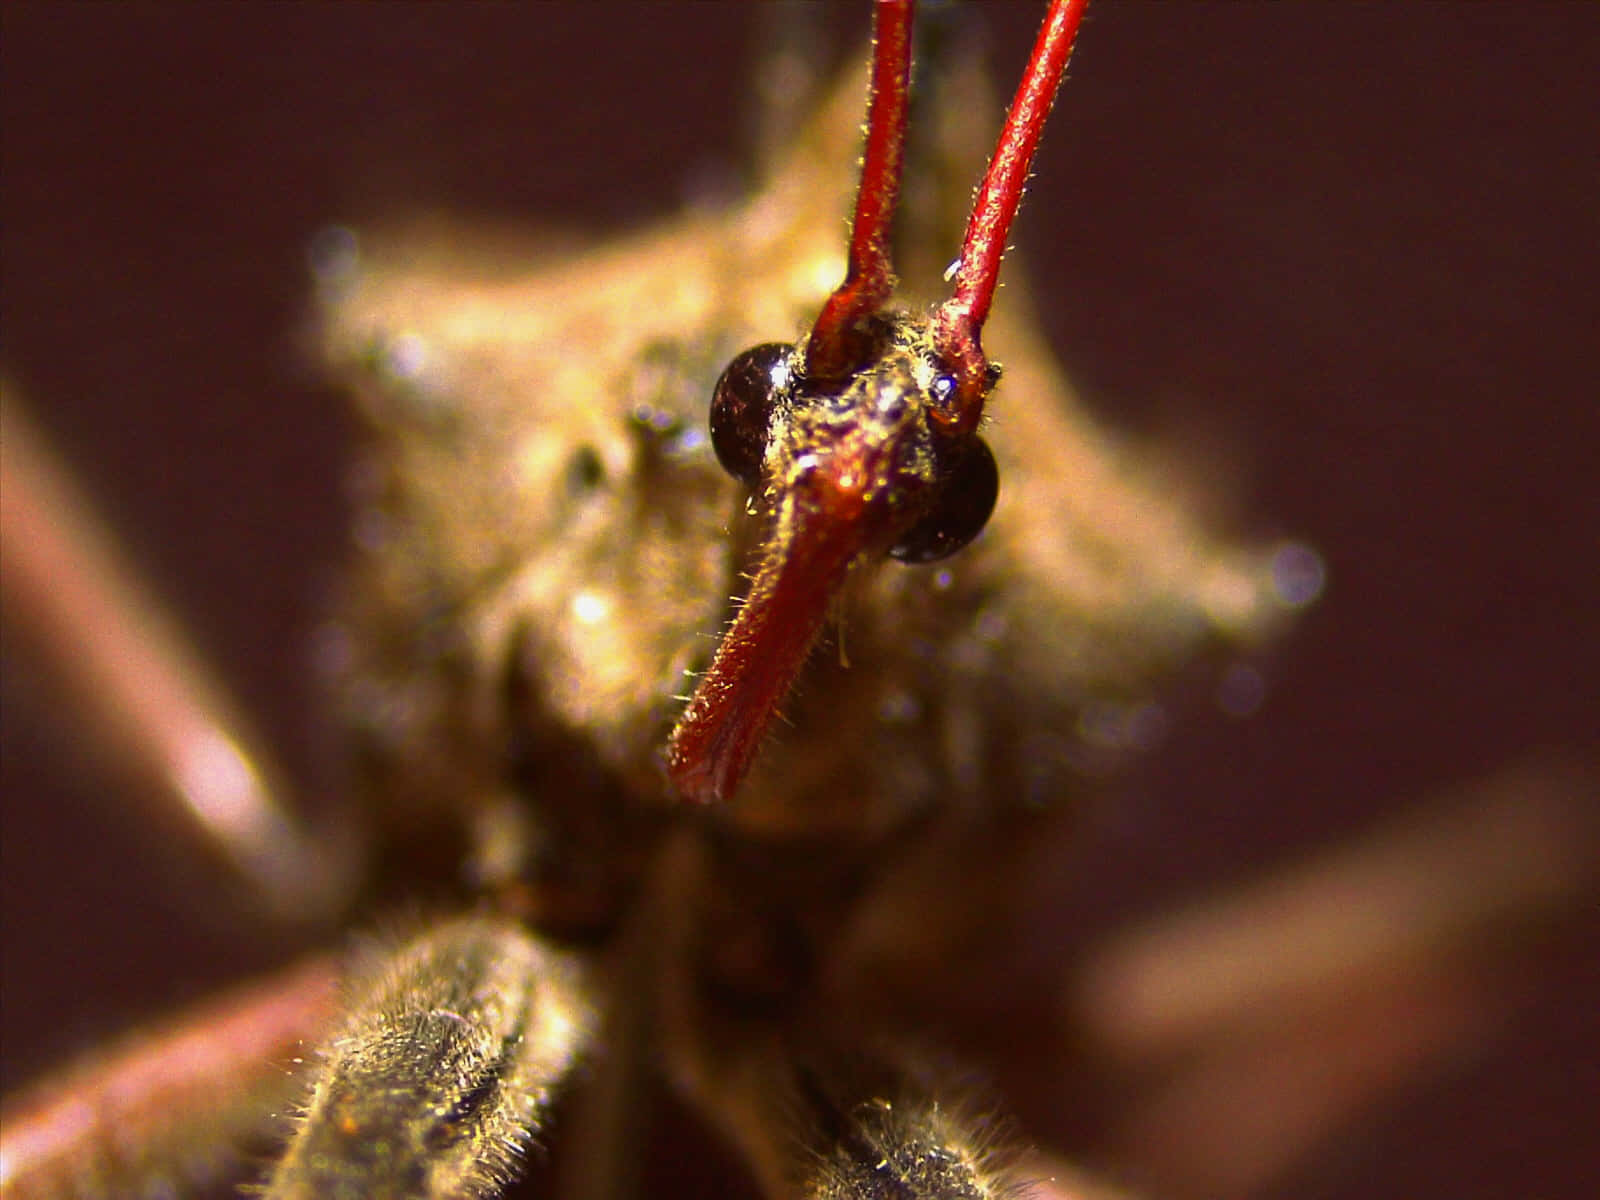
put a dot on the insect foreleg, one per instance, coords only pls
(435, 1085)
(175, 1109)
(172, 738)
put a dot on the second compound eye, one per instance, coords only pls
(741, 408)
(968, 486)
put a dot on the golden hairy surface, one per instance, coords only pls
(448, 1053)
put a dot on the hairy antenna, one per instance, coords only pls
(835, 347)
(959, 320)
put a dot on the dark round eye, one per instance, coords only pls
(741, 408)
(968, 485)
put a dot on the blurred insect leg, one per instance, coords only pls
(1242, 1111)
(896, 1141)
(817, 1095)
(175, 1110)
(1273, 1015)
(827, 1126)
(880, 1148)
(135, 684)
(450, 1049)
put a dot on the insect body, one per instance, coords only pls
(548, 538)
(546, 542)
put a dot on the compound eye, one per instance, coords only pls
(968, 485)
(741, 408)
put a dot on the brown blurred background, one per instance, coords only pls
(1345, 254)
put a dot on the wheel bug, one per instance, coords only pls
(1218, 380)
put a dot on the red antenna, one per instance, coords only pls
(883, 467)
(959, 320)
(833, 352)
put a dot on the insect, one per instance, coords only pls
(847, 647)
